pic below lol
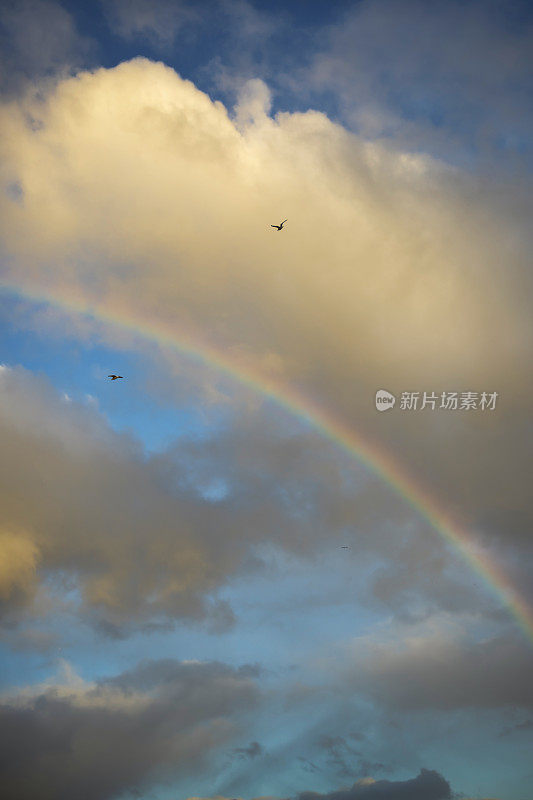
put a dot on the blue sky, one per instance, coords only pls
(173, 571)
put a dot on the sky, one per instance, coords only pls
(237, 572)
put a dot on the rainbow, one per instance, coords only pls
(344, 437)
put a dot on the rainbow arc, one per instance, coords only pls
(344, 437)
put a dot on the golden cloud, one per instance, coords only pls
(19, 557)
(140, 190)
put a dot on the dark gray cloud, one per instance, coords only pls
(253, 750)
(439, 672)
(96, 741)
(428, 785)
(509, 730)
(341, 755)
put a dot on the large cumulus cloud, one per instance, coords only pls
(125, 167)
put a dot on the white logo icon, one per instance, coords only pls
(384, 400)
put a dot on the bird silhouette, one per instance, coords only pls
(114, 377)
(344, 547)
(279, 227)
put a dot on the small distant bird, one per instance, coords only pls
(344, 547)
(115, 377)
(279, 227)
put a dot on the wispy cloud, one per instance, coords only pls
(158, 21)
(39, 39)
(450, 78)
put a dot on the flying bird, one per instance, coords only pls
(114, 377)
(344, 547)
(279, 227)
